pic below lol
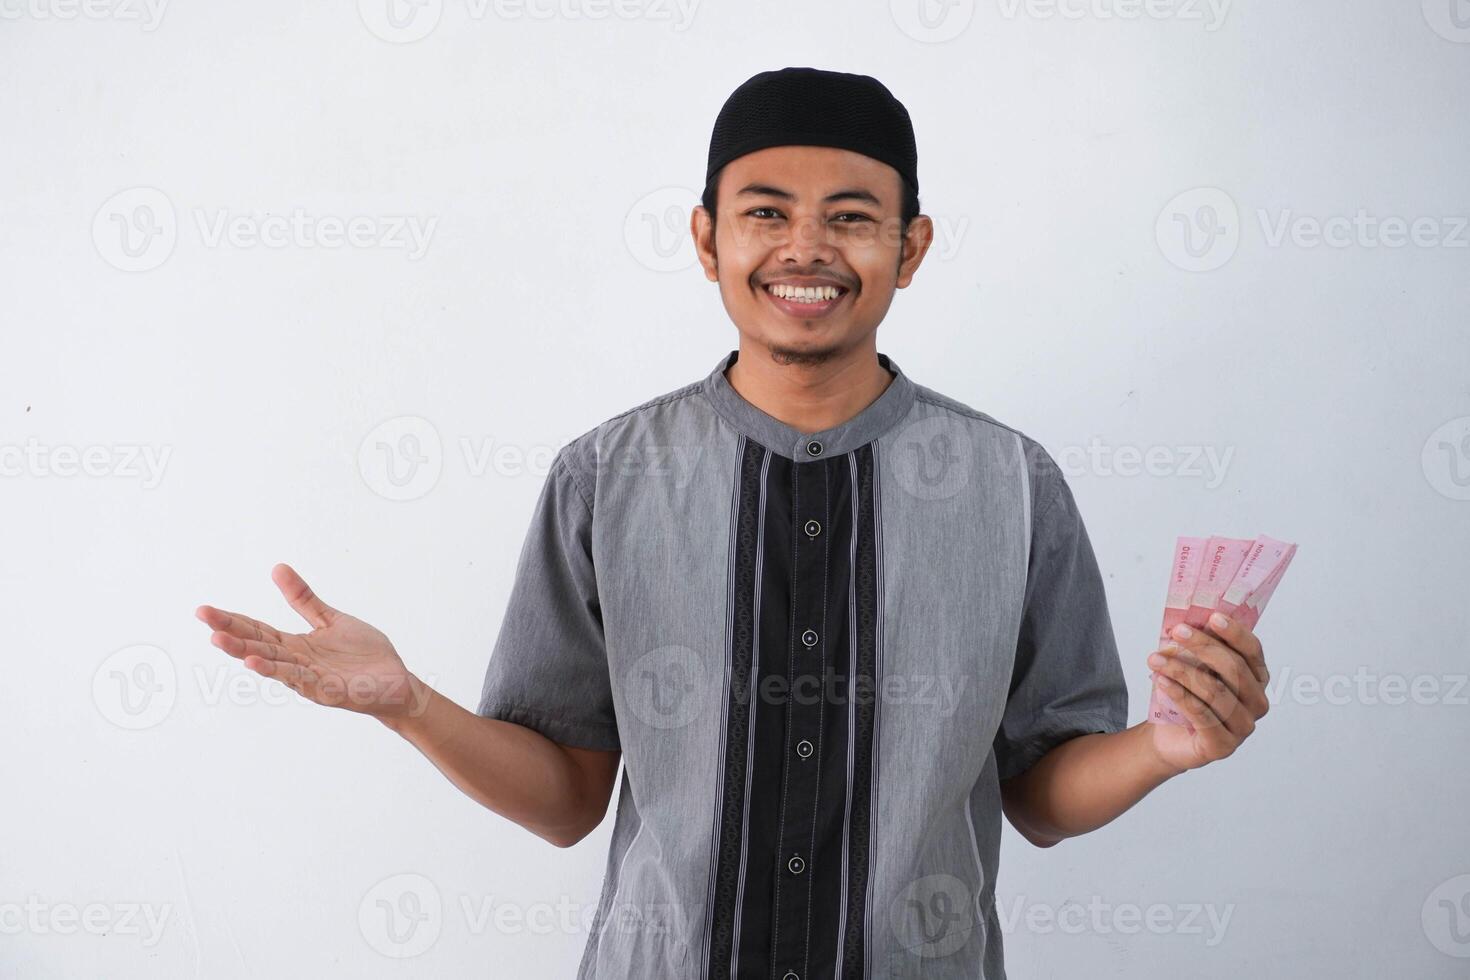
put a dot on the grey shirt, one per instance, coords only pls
(819, 654)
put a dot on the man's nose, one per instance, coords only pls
(806, 240)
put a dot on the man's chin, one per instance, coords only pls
(794, 341)
(803, 350)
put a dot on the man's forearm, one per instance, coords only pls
(519, 773)
(1084, 783)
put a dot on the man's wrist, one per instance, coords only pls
(1160, 769)
(404, 718)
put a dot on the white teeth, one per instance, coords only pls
(805, 294)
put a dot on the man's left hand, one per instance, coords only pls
(1223, 693)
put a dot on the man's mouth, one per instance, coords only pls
(805, 301)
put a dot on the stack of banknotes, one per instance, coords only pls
(1235, 576)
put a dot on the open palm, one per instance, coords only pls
(342, 663)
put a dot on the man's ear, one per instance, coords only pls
(701, 230)
(916, 242)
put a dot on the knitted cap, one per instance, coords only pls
(812, 107)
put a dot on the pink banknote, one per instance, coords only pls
(1223, 558)
(1233, 575)
(1245, 598)
(1189, 556)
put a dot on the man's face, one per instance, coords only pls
(794, 217)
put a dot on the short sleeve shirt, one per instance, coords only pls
(819, 654)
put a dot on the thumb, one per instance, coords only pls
(302, 599)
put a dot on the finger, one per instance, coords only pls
(1219, 740)
(1208, 690)
(241, 648)
(302, 599)
(1200, 714)
(1227, 663)
(300, 678)
(292, 675)
(1233, 668)
(1243, 641)
(237, 625)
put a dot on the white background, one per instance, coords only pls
(556, 151)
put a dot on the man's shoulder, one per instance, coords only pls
(971, 417)
(1043, 473)
(581, 453)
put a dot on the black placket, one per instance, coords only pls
(790, 873)
(793, 886)
(805, 708)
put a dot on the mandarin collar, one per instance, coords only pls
(873, 421)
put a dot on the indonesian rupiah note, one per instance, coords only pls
(1235, 576)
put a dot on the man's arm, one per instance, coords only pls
(542, 747)
(1082, 784)
(1087, 781)
(558, 792)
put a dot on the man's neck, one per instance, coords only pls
(809, 398)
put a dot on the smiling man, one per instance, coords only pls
(863, 622)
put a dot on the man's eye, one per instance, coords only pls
(857, 216)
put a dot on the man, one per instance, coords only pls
(854, 624)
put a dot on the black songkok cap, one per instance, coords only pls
(812, 107)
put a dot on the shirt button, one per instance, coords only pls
(814, 448)
(790, 975)
(796, 864)
(813, 529)
(804, 749)
(809, 638)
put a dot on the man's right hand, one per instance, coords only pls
(558, 792)
(342, 663)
